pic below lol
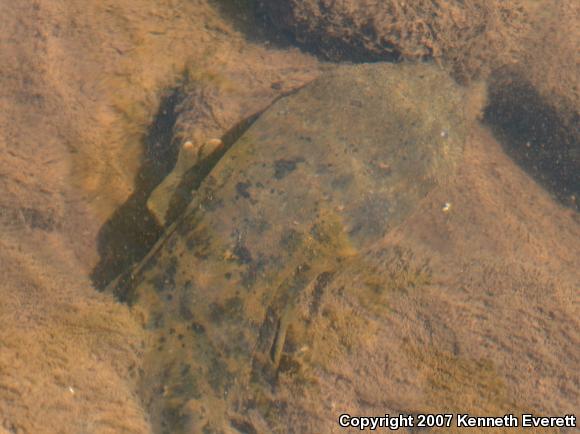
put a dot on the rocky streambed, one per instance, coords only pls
(366, 239)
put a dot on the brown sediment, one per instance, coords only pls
(470, 309)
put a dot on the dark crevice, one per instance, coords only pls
(333, 49)
(131, 231)
(544, 141)
(254, 18)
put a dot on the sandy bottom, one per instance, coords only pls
(80, 85)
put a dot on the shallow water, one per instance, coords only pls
(391, 244)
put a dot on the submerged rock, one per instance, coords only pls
(470, 37)
(319, 178)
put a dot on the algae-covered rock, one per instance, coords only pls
(319, 177)
(471, 38)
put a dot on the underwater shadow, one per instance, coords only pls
(131, 231)
(247, 18)
(250, 18)
(536, 136)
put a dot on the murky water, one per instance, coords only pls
(252, 217)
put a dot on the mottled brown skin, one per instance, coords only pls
(320, 176)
